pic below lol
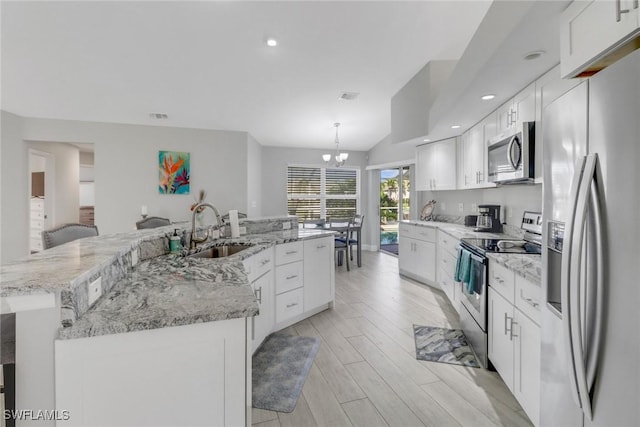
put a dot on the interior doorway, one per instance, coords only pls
(41, 196)
(395, 203)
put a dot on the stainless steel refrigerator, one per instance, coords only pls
(591, 252)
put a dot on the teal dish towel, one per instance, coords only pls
(463, 266)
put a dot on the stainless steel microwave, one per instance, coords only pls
(511, 156)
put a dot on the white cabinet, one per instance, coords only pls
(436, 166)
(260, 273)
(289, 281)
(446, 266)
(590, 31)
(514, 335)
(319, 273)
(197, 371)
(417, 253)
(474, 154)
(521, 108)
(37, 224)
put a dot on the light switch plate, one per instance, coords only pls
(444, 206)
(460, 207)
(243, 230)
(474, 208)
(94, 290)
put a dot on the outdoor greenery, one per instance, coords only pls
(389, 195)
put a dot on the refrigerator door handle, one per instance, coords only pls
(593, 354)
(566, 279)
(578, 335)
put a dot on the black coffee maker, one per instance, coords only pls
(489, 219)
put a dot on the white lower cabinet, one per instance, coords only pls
(514, 339)
(318, 272)
(183, 375)
(417, 253)
(260, 273)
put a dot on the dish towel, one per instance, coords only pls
(475, 278)
(463, 266)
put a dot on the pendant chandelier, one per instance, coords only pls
(339, 158)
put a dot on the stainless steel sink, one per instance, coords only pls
(220, 251)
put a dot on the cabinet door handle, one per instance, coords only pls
(293, 304)
(259, 295)
(465, 179)
(511, 334)
(291, 252)
(293, 276)
(506, 329)
(498, 279)
(620, 11)
(321, 246)
(265, 261)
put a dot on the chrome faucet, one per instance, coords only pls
(194, 236)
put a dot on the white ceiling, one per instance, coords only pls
(206, 65)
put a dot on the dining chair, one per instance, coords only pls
(342, 227)
(314, 223)
(355, 233)
(67, 233)
(152, 222)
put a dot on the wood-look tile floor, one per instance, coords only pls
(365, 372)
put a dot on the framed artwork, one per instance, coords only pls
(175, 172)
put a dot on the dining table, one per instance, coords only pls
(357, 229)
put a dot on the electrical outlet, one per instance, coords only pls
(460, 207)
(242, 230)
(94, 290)
(443, 206)
(474, 208)
(286, 225)
(134, 257)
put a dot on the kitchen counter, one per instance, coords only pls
(162, 290)
(527, 266)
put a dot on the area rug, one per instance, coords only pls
(280, 368)
(443, 345)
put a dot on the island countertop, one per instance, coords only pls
(160, 291)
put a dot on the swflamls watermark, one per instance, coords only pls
(37, 414)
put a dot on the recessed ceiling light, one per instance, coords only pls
(487, 97)
(272, 42)
(455, 126)
(426, 140)
(534, 55)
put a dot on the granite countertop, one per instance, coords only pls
(162, 290)
(528, 266)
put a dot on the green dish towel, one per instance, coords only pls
(463, 266)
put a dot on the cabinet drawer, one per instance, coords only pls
(502, 280)
(289, 276)
(289, 304)
(289, 252)
(427, 234)
(37, 205)
(448, 243)
(527, 298)
(37, 224)
(446, 262)
(447, 284)
(258, 264)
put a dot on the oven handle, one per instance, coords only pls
(513, 164)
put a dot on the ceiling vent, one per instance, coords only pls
(348, 96)
(158, 116)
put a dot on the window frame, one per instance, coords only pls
(323, 196)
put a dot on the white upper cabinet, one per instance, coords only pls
(436, 166)
(595, 33)
(521, 108)
(474, 154)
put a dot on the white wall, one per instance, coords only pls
(385, 152)
(126, 172)
(126, 167)
(14, 190)
(254, 178)
(66, 187)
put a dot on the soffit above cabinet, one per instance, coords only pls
(493, 63)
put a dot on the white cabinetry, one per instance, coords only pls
(521, 108)
(197, 371)
(318, 272)
(474, 154)
(37, 224)
(514, 335)
(436, 166)
(259, 270)
(417, 252)
(289, 281)
(446, 265)
(590, 31)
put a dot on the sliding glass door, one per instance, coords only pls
(395, 202)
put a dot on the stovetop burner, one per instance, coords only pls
(511, 246)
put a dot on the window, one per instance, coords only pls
(315, 192)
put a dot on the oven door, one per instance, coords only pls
(474, 294)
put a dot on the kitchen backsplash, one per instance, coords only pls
(515, 199)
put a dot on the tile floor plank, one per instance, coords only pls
(300, 417)
(323, 405)
(363, 414)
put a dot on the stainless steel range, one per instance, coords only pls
(473, 317)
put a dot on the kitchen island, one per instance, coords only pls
(165, 331)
